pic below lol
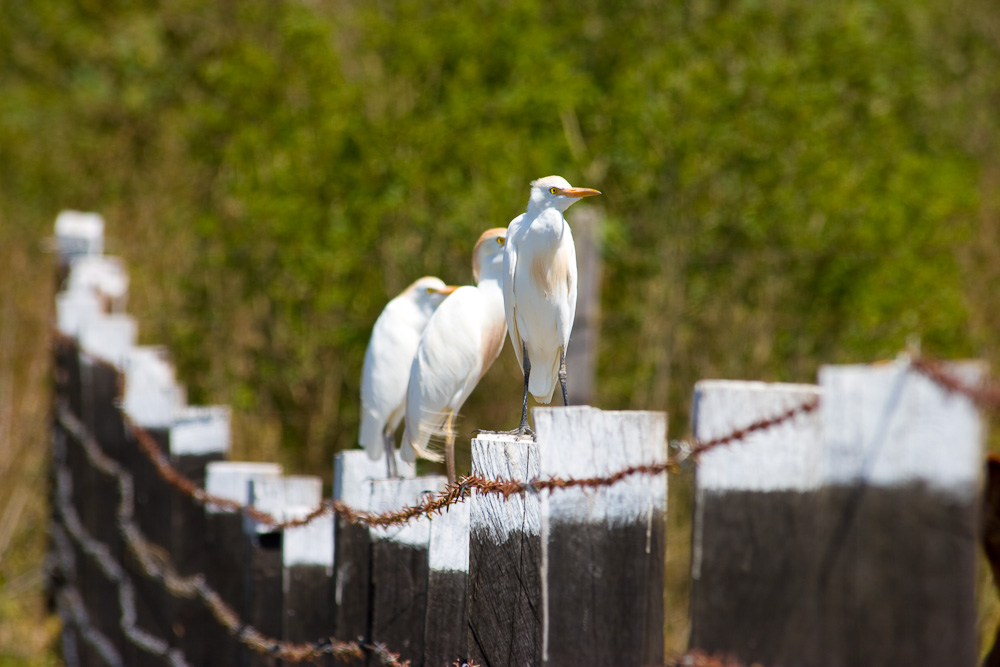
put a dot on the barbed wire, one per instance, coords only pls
(156, 565)
(984, 394)
(454, 492)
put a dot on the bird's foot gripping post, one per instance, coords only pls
(391, 469)
(523, 429)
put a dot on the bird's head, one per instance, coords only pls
(488, 250)
(556, 192)
(429, 291)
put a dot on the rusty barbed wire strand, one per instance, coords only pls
(983, 393)
(155, 566)
(452, 493)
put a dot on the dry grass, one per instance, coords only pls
(27, 632)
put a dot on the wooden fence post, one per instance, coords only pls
(151, 398)
(198, 436)
(602, 549)
(755, 524)
(352, 471)
(225, 548)
(77, 234)
(504, 589)
(903, 458)
(307, 557)
(281, 497)
(447, 619)
(399, 568)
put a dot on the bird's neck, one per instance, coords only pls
(545, 219)
(491, 288)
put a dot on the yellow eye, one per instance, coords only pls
(500, 240)
(430, 290)
(554, 191)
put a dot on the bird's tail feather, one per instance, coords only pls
(370, 436)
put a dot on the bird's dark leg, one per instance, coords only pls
(523, 428)
(449, 450)
(390, 454)
(562, 375)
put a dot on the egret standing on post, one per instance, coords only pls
(462, 340)
(386, 371)
(539, 288)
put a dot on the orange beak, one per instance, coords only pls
(449, 289)
(579, 192)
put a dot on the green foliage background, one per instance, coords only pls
(785, 184)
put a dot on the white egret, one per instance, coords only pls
(539, 287)
(386, 370)
(462, 340)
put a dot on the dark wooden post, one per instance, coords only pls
(151, 398)
(352, 473)
(307, 557)
(602, 549)
(199, 436)
(896, 562)
(226, 550)
(756, 525)
(846, 538)
(399, 569)
(447, 622)
(504, 606)
(77, 235)
(282, 498)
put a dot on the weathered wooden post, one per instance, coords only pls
(307, 557)
(77, 234)
(226, 550)
(504, 588)
(399, 568)
(755, 524)
(896, 565)
(352, 545)
(447, 619)
(264, 577)
(198, 436)
(151, 398)
(603, 549)
(847, 537)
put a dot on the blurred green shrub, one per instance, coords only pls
(785, 184)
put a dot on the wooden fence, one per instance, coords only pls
(835, 524)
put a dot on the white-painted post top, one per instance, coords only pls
(393, 494)
(200, 430)
(231, 479)
(79, 233)
(75, 308)
(285, 497)
(449, 540)
(152, 395)
(310, 544)
(784, 457)
(581, 441)
(352, 470)
(888, 425)
(108, 337)
(106, 276)
(507, 457)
